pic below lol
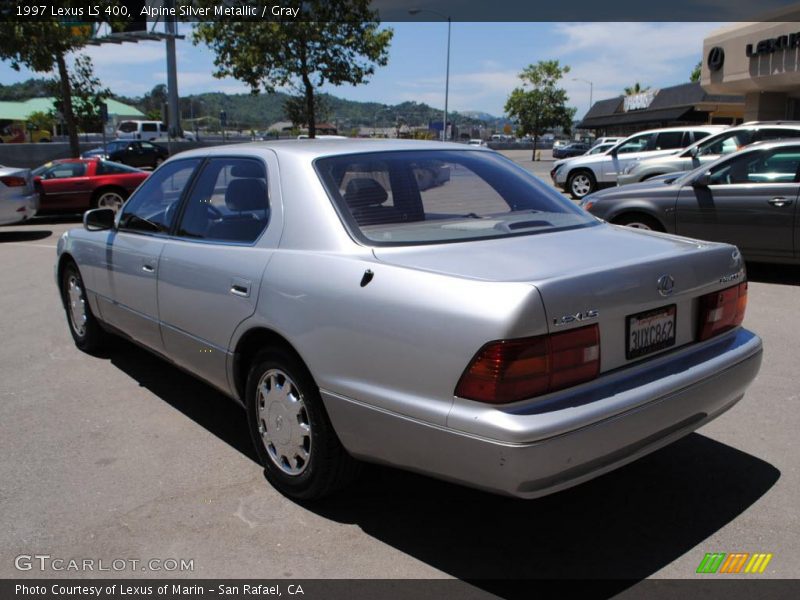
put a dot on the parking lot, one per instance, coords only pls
(122, 456)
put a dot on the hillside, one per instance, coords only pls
(248, 111)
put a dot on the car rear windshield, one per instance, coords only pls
(435, 196)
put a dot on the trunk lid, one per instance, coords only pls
(601, 274)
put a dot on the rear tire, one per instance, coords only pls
(87, 333)
(639, 221)
(292, 434)
(581, 183)
(109, 198)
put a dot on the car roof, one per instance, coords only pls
(310, 149)
(682, 128)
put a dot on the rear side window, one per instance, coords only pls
(669, 140)
(109, 168)
(435, 196)
(149, 127)
(229, 202)
(152, 207)
(128, 127)
(775, 134)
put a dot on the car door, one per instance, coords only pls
(749, 201)
(624, 154)
(134, 155)
(211, 269)
(148, 155)
(127, 288)
(64, 186)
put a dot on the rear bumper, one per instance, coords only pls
(21, 208)
(535, 448)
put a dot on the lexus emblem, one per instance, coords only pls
(716, 58)
(665, 285)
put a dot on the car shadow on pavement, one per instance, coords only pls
(773, 273)
(53, 219)
(24, 236)
(619, 528)
(203, 404)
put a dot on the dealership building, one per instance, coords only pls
(760, 61)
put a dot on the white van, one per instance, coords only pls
(141, 130)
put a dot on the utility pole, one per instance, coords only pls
(173, 110)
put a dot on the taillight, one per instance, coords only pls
(13, 181)
(721, 311)
(509, 370)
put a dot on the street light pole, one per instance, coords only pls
(416, 11)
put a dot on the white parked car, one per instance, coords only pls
(18, 199)
(587, 174)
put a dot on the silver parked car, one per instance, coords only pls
(461, 330)
(19, 201)
(707, 150)
(748, 198)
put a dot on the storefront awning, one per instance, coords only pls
(635, 117)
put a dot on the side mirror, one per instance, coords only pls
(99, 219)
(702, 180)
(694, 152)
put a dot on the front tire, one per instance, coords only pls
(581, 183)
(84, 327)
(292, 434)
(639, 221)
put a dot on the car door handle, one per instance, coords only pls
(780, 201)
(148, 268)
(240, 287)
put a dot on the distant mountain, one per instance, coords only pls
(247, 111)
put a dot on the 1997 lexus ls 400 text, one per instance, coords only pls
(425, 305)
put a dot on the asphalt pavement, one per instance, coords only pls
(122, 456)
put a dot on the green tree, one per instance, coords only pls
(87, 95)
(332, 41)
(41, 46)
(636, 88)
(296, 110)
(695, 75)
(41, 120)
(539, 104)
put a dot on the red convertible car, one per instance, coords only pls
(77, 184)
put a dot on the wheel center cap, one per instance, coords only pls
(279, 424)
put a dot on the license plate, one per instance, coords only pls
(650, 331)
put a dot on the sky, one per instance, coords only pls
(485, 61)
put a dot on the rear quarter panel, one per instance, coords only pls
(399, 343)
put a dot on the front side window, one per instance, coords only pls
(774, 166)
(229, 202)
(638, 143)
(725, 143)
(152, 207)
(60, 170)
(435, 196)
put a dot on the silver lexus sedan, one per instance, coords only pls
(479, 328)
